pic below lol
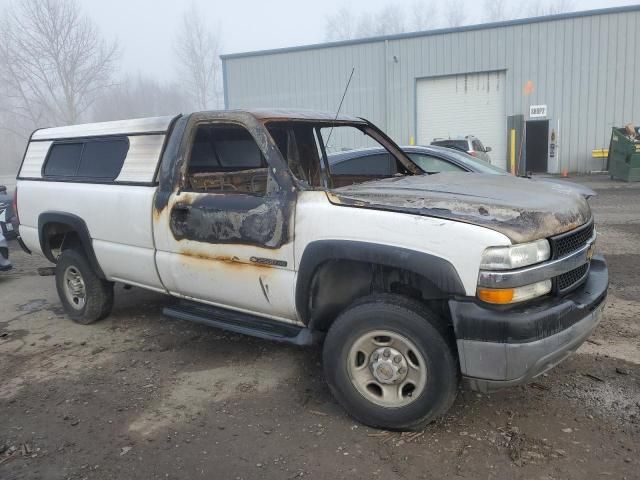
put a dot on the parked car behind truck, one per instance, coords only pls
(466, 143)
(410, 281)
(431, 160)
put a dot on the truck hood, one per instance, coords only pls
(522, 209)
(583, 190)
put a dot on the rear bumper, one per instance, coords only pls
(505, 347)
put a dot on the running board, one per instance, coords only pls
(244, 323)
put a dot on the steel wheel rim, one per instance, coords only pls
(387, 368)
(74, 288)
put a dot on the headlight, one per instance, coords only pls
(515, 256)
(504, 296)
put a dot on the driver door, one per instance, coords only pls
(223, 237)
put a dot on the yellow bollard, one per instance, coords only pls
(513, 152)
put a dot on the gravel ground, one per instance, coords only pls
(139, 395)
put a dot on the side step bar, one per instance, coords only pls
(244, 323)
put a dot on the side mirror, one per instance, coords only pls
(487, 149)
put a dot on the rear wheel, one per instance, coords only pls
(390, 363)
(85, 297)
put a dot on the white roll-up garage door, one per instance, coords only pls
(466, 104)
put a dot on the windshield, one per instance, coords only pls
(311, 149)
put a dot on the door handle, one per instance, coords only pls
(181, 209)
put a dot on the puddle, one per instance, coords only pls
(33, 306)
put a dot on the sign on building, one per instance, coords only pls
(538, 111)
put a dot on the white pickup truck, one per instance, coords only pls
(411, 281)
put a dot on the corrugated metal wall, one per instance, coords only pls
(584, 67)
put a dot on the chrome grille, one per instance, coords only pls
(566, 244)
(569, 242)
(570, 279)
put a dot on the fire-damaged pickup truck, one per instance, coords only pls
(412, 282)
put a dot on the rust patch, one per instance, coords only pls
(231, 261)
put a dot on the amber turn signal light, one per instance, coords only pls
(500, 296)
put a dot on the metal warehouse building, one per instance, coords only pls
(545, 91)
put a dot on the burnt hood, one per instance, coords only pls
(519, 208)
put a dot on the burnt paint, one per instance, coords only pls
(235, 218)
(518, 208)
(264, 221)
(169, 165)
(240, 220)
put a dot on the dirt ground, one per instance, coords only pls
(142, 396)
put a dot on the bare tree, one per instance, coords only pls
(389, 20)
(539, 8)
(198, 51)
(341, 25)
(11, 148)
(454, 13)
(345, 25)
(366, 25)
(424, 15)
(140, 96)
(496, 10)
(53, 63)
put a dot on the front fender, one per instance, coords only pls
(440, 272)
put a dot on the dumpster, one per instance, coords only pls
(623, 161)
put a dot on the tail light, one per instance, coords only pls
(15, 204)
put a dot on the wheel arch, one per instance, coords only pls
(333, 273)
(56, 223)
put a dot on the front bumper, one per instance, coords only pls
(503, 347)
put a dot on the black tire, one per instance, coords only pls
(98, 300)
(412, 320)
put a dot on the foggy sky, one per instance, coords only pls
(145, 29)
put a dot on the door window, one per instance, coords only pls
(378, 164)
(315, 153)
(226, 158)
(431, 164)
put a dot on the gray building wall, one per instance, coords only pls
(584, 66)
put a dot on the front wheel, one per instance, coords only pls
(84, 296)
(390, 363)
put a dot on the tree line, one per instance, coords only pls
(390, 19)
(57, 69)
